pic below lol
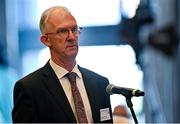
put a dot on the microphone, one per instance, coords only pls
(127, 92)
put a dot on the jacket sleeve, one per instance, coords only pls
(24, 107)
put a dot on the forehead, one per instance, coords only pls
(61, 18)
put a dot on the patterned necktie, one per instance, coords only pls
(79, 107)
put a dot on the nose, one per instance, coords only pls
(71, 35)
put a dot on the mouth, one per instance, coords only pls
(72, 46)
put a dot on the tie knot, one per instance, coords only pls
(72, 77)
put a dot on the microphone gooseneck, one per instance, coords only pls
(127, 92)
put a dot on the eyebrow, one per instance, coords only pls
(67, 27)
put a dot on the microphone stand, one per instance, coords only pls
(129, 104)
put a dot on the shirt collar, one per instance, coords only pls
(76, 70)
(61, 72)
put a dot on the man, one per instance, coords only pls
(46, 95)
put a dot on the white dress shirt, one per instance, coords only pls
(60, 73)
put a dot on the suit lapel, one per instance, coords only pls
(53, 85)
(91, 90)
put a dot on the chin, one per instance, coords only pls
(72, 54)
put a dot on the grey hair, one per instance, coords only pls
(45, 16)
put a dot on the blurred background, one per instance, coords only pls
(135, 43)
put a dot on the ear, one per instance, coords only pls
(44, 39)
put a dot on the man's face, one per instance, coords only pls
(63, 41)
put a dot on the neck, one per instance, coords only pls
(67, 64)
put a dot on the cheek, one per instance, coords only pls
(59, 45)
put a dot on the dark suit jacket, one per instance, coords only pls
(39, 97)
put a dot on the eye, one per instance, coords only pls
(74, 30)
(62, 31)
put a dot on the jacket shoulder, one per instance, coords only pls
(35, 78)
(91, 73)
(32, 77)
